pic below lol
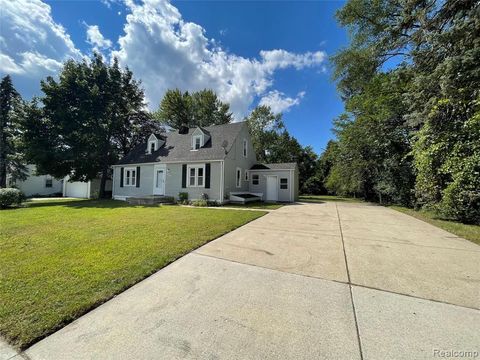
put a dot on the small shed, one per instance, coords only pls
(276, 182)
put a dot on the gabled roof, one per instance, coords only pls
(178, 147)
(277, 166)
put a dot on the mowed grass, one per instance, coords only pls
(323, 198)
(61, 259)
(466, 231)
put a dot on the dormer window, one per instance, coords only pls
(154, 143)
(197, 142)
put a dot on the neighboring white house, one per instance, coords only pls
(42, 185)
(216, 162)
(46, 185)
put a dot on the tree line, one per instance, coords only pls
(410, 82)
(94, 113)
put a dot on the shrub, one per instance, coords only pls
(182, 196)
(200, 203)
(10, 196)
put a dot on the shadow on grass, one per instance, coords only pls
(81, 204)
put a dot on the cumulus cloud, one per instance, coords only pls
(165, 51)
(158, 45)
(96, 39)
(32, 45)
(279, 102)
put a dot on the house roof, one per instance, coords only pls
(277, 166)
(178, 147)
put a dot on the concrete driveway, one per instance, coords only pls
(308, 281)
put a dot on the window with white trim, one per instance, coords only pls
(48, 182)
(255, 179)
(246, 175)
(130, 177)
(196, 175)
(152, 147)
(239, 178)
(284, 183)
(196, 142)
(245, 147)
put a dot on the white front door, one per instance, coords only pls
(159, 180)
(272, 188)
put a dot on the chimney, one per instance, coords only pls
(183, 129)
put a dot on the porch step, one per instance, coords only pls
(150, 200)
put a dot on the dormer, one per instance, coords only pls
(154, 143)
(199, 138)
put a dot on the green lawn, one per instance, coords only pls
(257, 205)
(469, 232)
(60, 259)
(323, 198)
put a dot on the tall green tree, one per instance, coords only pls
(435, 46)
(265, 128)
(91, 115)
(373, 147)
(11, 114)
(201, 108)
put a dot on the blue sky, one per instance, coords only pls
(249, 52)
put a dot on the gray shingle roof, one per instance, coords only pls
(277, 166)
(178, 146)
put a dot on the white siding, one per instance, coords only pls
(236, 159)
(36, 185)
(173, 182)
(283, 194)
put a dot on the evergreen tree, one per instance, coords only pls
(11, 114)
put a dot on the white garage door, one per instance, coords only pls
(76, 189)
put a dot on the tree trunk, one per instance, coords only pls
(103, 182)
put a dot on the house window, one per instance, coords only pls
(255, 179)
(196, 175)
(246, 175)
(239, 177)
(245, 147)
(48, 182)
(283, 183)
(152, 147)
(197, 142)
(130, 176)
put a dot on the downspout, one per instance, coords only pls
(291, 187)
(222, 185)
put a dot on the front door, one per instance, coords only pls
(272, 188)
(159, 181)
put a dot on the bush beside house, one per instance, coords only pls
(10, 197)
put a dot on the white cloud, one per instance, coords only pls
(96, 39)
(281, 59)
(8, 66)
(158, 45)
(279, 102)
(32, 44)
(165, 51)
